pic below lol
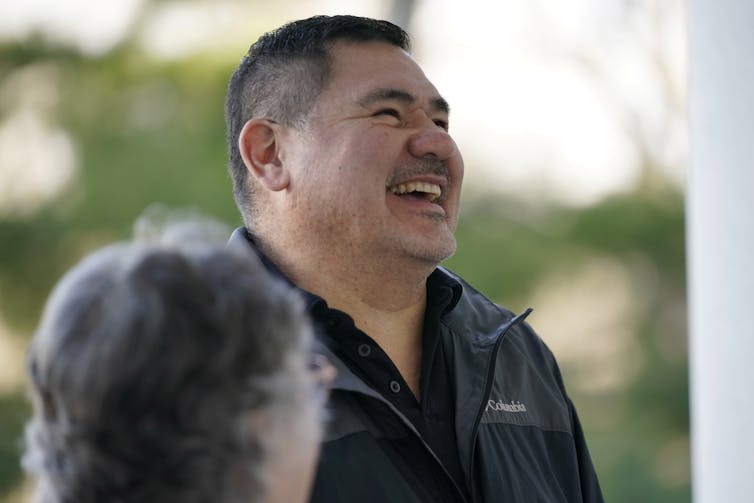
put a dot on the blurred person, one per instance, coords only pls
(349, 185)
(173, 371)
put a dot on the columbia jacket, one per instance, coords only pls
(519, 438)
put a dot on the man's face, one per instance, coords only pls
(374, 171)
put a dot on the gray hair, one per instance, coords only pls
(149, 365)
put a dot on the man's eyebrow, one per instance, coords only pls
(387, 94)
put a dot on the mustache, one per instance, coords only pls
(418, 168)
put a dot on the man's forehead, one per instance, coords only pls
(372, 59)
(378, 71)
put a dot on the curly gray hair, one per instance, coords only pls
(147, 371)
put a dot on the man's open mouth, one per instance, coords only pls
(429, 191)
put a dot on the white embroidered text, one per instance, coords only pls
(499, 405)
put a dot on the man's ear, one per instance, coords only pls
(259, 146)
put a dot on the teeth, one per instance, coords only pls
(431, 190)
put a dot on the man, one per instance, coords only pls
(172, 373)
(349, 186)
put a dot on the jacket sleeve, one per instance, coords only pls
(590, 486)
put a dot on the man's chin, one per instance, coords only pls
(433, 254)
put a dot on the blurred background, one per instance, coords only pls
(571, 116)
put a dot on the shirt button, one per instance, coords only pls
(364, 350)
(395, 386)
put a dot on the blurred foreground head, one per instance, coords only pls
(171, 372)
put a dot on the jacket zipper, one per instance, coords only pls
(367, 391)
(487, 390)
(411, 427)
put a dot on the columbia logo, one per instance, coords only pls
(499, 405)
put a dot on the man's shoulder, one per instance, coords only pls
(477, 317)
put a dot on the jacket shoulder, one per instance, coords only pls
(478, 317)
(527, 387)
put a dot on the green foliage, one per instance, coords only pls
(14, 410)
(144, 133)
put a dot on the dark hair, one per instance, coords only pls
(281, 77)
(147, 368)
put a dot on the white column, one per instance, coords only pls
(720, 241)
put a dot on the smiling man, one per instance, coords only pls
(349, 185)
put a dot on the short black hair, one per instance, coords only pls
(282, 76)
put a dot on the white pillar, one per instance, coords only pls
(720, 241)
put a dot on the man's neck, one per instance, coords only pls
(386, 301)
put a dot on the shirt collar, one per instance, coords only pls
(242, 238)
(443, 288)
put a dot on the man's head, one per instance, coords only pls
(343, 153)
(161, 373)
(282, 76)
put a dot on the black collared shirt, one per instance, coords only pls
(434, 416)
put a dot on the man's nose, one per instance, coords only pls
(432, 142)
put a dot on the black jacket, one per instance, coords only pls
(519, 438)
